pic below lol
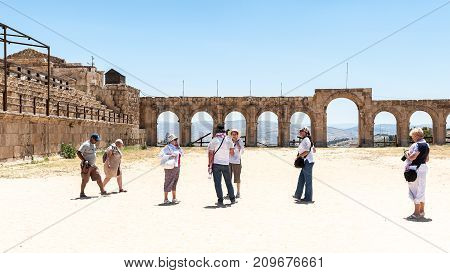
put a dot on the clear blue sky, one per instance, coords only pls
(165, 42)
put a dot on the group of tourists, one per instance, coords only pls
(111, 159)
(224, 160)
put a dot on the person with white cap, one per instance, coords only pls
(87, 154)
(305, 150)
(235, 160)
(112, 159)
(170, 157)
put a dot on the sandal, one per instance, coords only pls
(413, 217)
(122, 190)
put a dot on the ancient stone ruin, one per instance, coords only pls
(85, 100)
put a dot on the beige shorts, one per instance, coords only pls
(235, 171)
(91, 172)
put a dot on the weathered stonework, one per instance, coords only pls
(285, 107)
(24, 135)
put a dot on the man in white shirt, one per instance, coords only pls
(87, 154)
(219, 150)
(305, 150)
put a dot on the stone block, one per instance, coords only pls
(6, 152)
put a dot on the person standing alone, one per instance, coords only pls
(305, 150)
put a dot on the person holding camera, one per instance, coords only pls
(170, 157)
(305, 151)
(416, 171)
(87, 154)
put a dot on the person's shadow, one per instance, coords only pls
(167, 204)
(84, 198)
(224, 206)
(421, 220)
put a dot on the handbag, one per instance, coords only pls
(169, 164)
(300, 161)
(410, 175)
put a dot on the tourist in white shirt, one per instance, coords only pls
(305, 150)
(235, 160)
(219, 151)
(170, 157)
(416, 158)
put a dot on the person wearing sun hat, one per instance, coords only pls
(235, 160)
(170, 157)
(112, 161)
(87, 154)
(305, 149)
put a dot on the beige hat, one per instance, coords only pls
(171, 138)
(235, 130)
(119, 141)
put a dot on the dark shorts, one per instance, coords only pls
(91, 172)
(235, 170)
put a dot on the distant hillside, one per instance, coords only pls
(338, 134)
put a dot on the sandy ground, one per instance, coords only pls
(361, 199)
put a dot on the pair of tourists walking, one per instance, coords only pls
(87, 153)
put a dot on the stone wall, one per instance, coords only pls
(284, 107)
(24, 135)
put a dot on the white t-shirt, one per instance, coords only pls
(222, 157)
(87, 149)
(305, 146)
(236, 158)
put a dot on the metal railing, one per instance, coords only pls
(387, 142)
(200, 140)
(35, 105)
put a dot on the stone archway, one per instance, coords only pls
(386, 130)
(236, 120)
(267, 132)
(167, 123)
(298, 120)
(345, 130)
(423, 119)
(202, 124)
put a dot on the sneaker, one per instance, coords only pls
(295, 197)
(175, 201)
(166, 202)
(104, 193)
(234, 201)
(220, 204)
(226, 197)
(82, 195)
(238, 195)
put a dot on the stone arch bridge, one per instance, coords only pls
(284, 107)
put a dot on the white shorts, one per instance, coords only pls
(417, 188)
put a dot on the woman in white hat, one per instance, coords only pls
(112, 160)
(305, 150)
(235, 160)
(171, 160)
